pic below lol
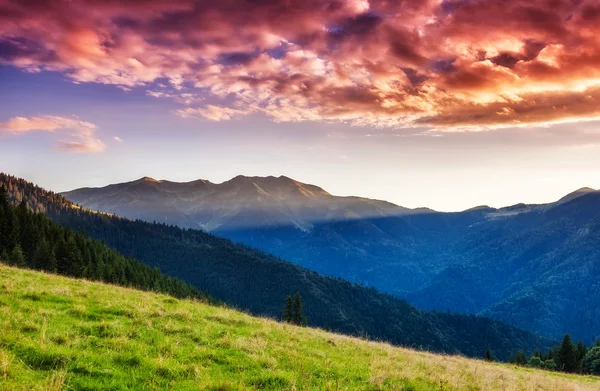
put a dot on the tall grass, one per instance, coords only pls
(63, 334)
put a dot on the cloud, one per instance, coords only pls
(82, 133)
(213, 113)
(443, 63)
(118, 139)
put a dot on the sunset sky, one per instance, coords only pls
(445, 104)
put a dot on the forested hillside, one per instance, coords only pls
(32, 240)
(260, 283)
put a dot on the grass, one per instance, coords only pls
(64, 334)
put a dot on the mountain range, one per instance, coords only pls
(534, 266)
(242, 202)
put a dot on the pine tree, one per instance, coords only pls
(520, 358)
(581, 352)
(567, 354)
(488, 355)
(43, 257)
(288, 310)
(16, 257)
(297, 316)
(591, 361)
(4, 257)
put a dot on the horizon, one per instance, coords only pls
(546, 201)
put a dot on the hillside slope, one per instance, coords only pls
(258, 282)
(66, 334)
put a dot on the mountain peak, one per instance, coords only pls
(575, 194)
(148, 179)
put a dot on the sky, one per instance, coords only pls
(448, 104)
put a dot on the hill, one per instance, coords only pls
(534, 266)
(258, 282)
(66, 334)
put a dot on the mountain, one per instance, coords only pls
(534, 266)
(257, 282)
(62, 333)
(238, 203)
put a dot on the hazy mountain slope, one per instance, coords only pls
(239, 202)
(252, 280)
(61, 333)
(539, 270)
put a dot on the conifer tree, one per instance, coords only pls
(520, 358)
(16, 257)
(288, 310)
(591, 361)
(581, 352)
(567, 354)
(297, 316)
(488, 355)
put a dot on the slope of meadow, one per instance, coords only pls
(66, 334)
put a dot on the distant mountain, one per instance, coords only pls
(255, 281)
(534, 266)
(241, 202)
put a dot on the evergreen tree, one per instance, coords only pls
(591, 361)
(567, 355)
(520, 358)
(581, 352)
(488, 355)
(43, 257)
(16, 257)
(297, 316)
(288, 310)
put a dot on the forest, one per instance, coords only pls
(32, 240)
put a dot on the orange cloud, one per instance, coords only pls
(443, 63)
(82, 133)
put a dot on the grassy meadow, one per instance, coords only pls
(58, 333)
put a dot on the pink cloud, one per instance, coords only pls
(377, 62)
(82, 133)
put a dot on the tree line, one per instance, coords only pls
(565, 357)
(31, 240)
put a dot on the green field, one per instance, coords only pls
(58, 333)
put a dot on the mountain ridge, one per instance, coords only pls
(238, 202)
